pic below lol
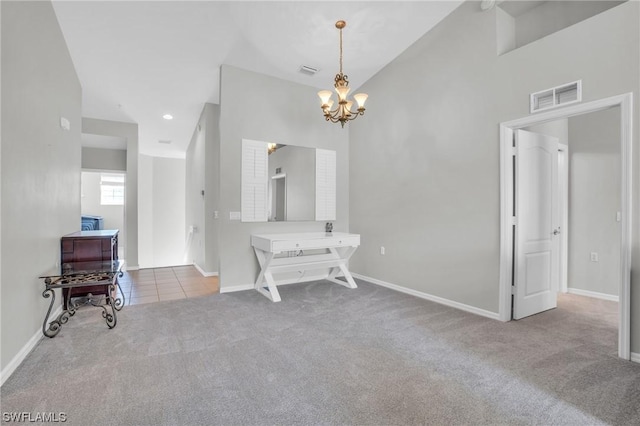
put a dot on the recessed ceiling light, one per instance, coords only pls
(168, 117)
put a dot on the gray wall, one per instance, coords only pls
(202, 174)
(40, 164)
(277, 111)
(552, 16)
(104, 159)
(128, 131)
(300, 166)
(166, 239)
(161, 209)
(212, 188)
(194, 184)
(424, 170)
(594, 199)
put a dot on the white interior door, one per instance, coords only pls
(537, 242)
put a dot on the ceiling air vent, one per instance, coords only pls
(307, 70)
(556, 96)
(164, 141)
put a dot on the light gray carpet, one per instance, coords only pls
(330, 355)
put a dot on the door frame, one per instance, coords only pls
(625, 102)
(563, 183)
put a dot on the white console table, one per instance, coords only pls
(340, 247)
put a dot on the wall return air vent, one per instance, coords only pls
(555, 97)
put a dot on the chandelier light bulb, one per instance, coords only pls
(324, 95)
(348, 107)
(360, 99)
(343, 91)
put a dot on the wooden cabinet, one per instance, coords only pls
(88, 246)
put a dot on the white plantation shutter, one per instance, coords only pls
(254, 181)
(325, 184)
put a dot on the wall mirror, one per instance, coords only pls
(287, 183)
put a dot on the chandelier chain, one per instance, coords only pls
(340, 50)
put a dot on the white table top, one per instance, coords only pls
(304, 235)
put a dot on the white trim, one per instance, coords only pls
(625, 102)
(131, 268)
(563, 183)
(635, 357)
(593, 294)
(432, 298)
(234, 288)
(506, 222)
(25, 351)
(204, 273)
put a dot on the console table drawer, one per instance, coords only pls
(283, 245)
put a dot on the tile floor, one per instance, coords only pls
(159, 284)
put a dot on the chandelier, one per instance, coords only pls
(343, 112)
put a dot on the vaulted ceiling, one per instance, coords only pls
(139, 60)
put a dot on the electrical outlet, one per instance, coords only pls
(594, 256)
(382, 250)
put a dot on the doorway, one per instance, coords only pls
(508, 196)
(278, 195)
(103, 203)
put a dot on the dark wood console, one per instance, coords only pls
(88, 246)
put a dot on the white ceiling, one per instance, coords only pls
(138, 60)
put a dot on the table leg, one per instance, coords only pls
(119, 302)
(342, 267)
(271, 290)
(56, 324)
(110, 317)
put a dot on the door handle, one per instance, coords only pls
(556, 231)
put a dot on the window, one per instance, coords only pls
(111, 189)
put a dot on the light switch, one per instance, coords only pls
(594, 256)
(65, 124)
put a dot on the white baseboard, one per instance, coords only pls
(234, 288)
(26, 349)
(594, 294)
(635, 357)
(426, 296)
(204, 273)
(131, 268)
